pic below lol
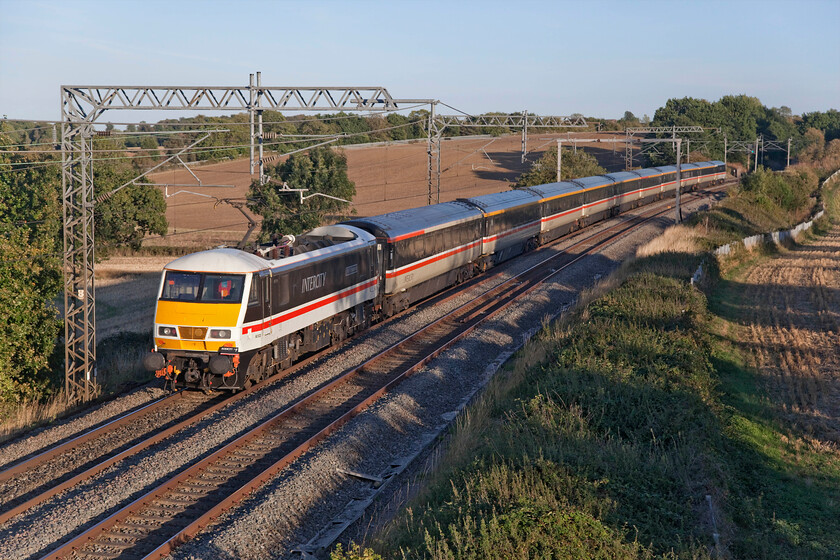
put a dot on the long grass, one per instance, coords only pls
(633, 427)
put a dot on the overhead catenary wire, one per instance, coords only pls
(31, 165)
(191, 122)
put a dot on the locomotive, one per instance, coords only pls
(227, 318)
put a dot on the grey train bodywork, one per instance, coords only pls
(328, 283)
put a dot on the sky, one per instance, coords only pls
(598, 58)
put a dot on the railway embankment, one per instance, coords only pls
(657, 418)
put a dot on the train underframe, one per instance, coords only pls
(229, 369)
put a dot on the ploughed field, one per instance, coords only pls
(388, 178)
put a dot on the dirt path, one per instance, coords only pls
(791, 309)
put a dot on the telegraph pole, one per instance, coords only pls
(788, 154)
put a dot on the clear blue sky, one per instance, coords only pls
(598, 58)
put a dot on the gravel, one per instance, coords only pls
(294, 514)
(41, 438)
(304, 499)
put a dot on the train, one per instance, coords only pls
(228, 318)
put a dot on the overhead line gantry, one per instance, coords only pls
(81, 106)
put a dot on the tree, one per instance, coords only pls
(828, 122)
(30, 274)
(130, 214)
(574, 165)
(628, 120)
(321, 170)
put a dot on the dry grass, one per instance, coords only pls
(28, 415)
(125, 294)
(794, 332)
(675, 239)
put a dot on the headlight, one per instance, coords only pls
(167, 331)
(219, 333)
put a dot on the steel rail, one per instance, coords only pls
(102, 429)
(111, 425)
(461, 321)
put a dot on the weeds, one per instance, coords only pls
(622, 428)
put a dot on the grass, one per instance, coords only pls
(633, 427)
(119, 369)
(745, 213)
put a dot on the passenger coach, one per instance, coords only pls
(425, 249)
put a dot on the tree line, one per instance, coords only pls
(744, 118)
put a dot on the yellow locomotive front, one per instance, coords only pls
(197, 329)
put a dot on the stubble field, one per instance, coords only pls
(792, 322)
(388, 178)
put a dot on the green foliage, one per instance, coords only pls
(574, 165)
(321, 170)
(130, 214)
(766, 201)
(593, 451)
(828, 122)
(30, 275)
(608, 446)
(353, 552)
(740, 117)
(629, 120)
(788, 191)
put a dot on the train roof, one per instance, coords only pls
(666, 169)
(415, 221)
(554, 190)
(647, 172)
(694, 165)
(592, 182)
(499, 202)
(236, 261)
(221, 259)
(621, 176)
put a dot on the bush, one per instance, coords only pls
(573, 165)
(788, 190)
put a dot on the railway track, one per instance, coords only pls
(37, 478)
(154, 524)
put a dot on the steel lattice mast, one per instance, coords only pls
(524, 120)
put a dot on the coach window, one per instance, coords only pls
(280, 286)
(428, 245)
(415, 250)
(254, 296)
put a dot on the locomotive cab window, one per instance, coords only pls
(222, 288)
(254, 296)
(181, 286)
(207, 288)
